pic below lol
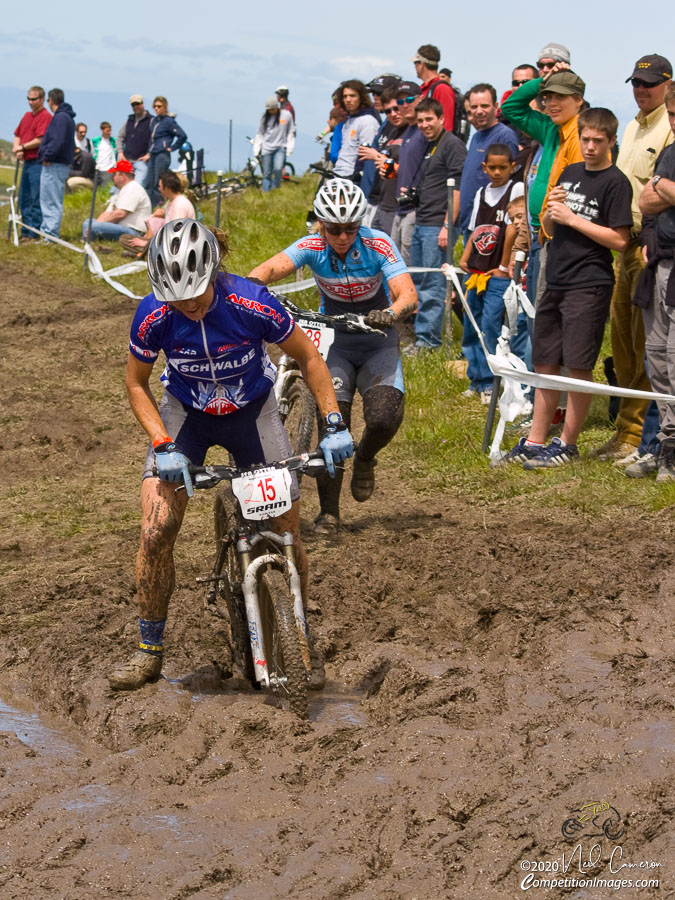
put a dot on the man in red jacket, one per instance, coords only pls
(426, 62)
(27, 139)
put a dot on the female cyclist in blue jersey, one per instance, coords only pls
(212, 328)
(357, 270)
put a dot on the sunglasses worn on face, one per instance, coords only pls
(401, 100)
(390, 109)
(545, 65)
(335, 230)
(639, 83)
(32, 99)
(515, 83)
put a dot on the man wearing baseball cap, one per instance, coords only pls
(284, 102)
(127, 209)
(426, 62)
(642, 142)
(133, 139)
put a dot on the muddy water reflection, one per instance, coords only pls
(31, 729)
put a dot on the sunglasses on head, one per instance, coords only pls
(401, 100)
(545, 65)
(351, 228)
(639, 83)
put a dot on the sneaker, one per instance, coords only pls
(554, 455)
(486, 396)
(141, 667)
(666, 462)
(612, 449)
(469, 394)
(627, 460)
(325, 523)
(363, 478)
(317, 676)
(518, 454)
(643, 466)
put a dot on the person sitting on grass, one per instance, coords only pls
(589, 215)
(485, 259)
(127, 209)
(172, 187)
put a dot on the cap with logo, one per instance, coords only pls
(556, 52)
(135, 98)
(567, 82)
(382, 83)
(653, 69)
(122, 165)
(409, 87)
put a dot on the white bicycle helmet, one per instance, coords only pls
(340, 201)
(183, 260)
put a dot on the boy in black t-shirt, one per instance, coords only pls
(589, 211)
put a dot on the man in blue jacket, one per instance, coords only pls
(56, 155)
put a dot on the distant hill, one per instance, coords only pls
(6, 158)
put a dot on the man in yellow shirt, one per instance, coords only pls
(643, 140)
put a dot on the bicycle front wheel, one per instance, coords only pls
(299, 420)
(288, 171)
(229, 587)
(288, 676)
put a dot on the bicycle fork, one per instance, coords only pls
(252, 568)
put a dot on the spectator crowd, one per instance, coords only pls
(541, 170)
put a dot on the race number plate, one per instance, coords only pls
(321, 335)
(263, 494)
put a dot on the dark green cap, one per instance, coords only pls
(566, 82)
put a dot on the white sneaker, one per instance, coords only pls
(486, 396)
(627, 460)
(469, 394)
(642, 467)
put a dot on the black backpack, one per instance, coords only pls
(460, 125)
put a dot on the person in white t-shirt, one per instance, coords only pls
(105, 153)
(127, 209)
(171, 186)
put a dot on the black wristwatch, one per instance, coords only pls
(334, 423)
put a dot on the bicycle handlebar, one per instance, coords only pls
(322, 170)
(209, 476)
(352, 322)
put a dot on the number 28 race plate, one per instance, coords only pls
(322, 336)
(263, 494)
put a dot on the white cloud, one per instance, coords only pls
(351, 64)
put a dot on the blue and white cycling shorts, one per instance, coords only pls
(253, 434)
(363, 361)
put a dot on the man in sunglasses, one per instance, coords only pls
(642, 142)
(27, 139)
(383, 156)
(411, 154)
(133, 139)
(357, 270)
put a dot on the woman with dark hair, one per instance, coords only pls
(172, 188)
(273, 142)
(360, 127)
(165, 135)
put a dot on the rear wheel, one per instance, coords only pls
(288, 676)
(288, 171)
(229, 589)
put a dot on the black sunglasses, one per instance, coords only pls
(545, 65)
(639, 83)
(390, 109)
(515, 83)
(334, 230)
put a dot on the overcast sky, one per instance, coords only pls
(222, 60)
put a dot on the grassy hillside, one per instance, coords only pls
(6, 158)
(439, 442)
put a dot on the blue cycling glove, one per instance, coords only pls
(337, 446)
(172, 465)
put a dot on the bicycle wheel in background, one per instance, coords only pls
(288, 171)
(288, 675)
(297, 415)
(229, 588)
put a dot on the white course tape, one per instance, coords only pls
(97, 269)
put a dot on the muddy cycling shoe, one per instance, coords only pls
(363, 478)
(317, 676)
(141, 667)
(325, 523)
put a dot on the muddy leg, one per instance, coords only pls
(329, 488)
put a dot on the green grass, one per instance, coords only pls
(439, 444)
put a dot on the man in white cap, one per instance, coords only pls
(550, 55)
(284, 102)
(133, 139)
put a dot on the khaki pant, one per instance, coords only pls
(628, 344)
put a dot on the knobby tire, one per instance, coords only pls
(288, 675)
(299, 421)
(229, 589)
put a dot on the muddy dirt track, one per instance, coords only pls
(491, 669)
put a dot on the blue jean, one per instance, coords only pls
(141, 169)
(52, 191)
(272, 167)
(157, 163)
(488, 311)
(106, 230)
(29, 197)
(431, 286)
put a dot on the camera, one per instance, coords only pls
(409, 197)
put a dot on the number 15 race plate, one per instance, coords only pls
(263, 494)
(322, 336)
